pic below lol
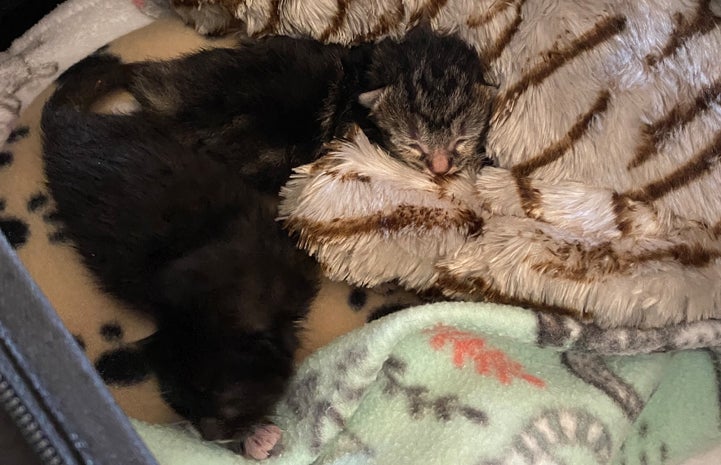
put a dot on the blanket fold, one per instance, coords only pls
(475, 384)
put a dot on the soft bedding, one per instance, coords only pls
(443, 383)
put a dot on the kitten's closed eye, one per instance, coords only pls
(417, 148)
(462, 144)
(428, 132)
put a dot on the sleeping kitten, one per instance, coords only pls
(172, 206)
(429, 103)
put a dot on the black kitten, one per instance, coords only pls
(173, 206)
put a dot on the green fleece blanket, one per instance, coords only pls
(482, 384)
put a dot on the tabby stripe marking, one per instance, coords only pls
(555, 58)
(404, 216)
(558, 149)
(274, 21)
(337, 21)
(698, 166)
(429, 11)
(385, 23)
(680, 115)
(599, 258)
(531, 197)
(702, 23)
(605, 260)
(348, 176)
(506, 36)
(620, 206)
(479, 289)
(687, 255)
(490, 14)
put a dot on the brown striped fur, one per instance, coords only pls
(702, 22)
(506, 36)
(488, 15)
(385, 22)
(556, 150)
(606, 136)
(654, 134)
(555, 59)
(337, 21)
(699, 165)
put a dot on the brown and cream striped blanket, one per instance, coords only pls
(606, 135)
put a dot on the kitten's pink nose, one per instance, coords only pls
(439, 162)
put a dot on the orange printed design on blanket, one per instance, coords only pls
(488, 361)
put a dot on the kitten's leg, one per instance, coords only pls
(261, 442)
(89, 80)
(201, 82)
(94, 78)
(197, 81)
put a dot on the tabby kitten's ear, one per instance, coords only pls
(486, 89)
(370, 99)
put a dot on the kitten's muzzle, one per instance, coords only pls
(439, 161)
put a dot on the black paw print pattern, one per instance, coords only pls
(124, 365)
(358, 298)
(15, 229)
(57, 234)
(38, 203)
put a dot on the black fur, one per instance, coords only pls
(166, 213)
(173, 207)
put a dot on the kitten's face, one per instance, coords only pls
(434, 111)
(447, 138)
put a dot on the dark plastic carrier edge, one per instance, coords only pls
(48, 387)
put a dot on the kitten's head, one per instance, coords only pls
(429, 101)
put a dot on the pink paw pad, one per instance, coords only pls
(259, 444)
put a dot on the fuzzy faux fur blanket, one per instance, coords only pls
(606, 135)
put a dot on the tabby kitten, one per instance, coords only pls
(173, 205)
(429, 105)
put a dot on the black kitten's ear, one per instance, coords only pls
(370, 99)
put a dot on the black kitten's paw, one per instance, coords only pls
(240, 385)
(262, 442)
(225, 386)
(258, 442)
